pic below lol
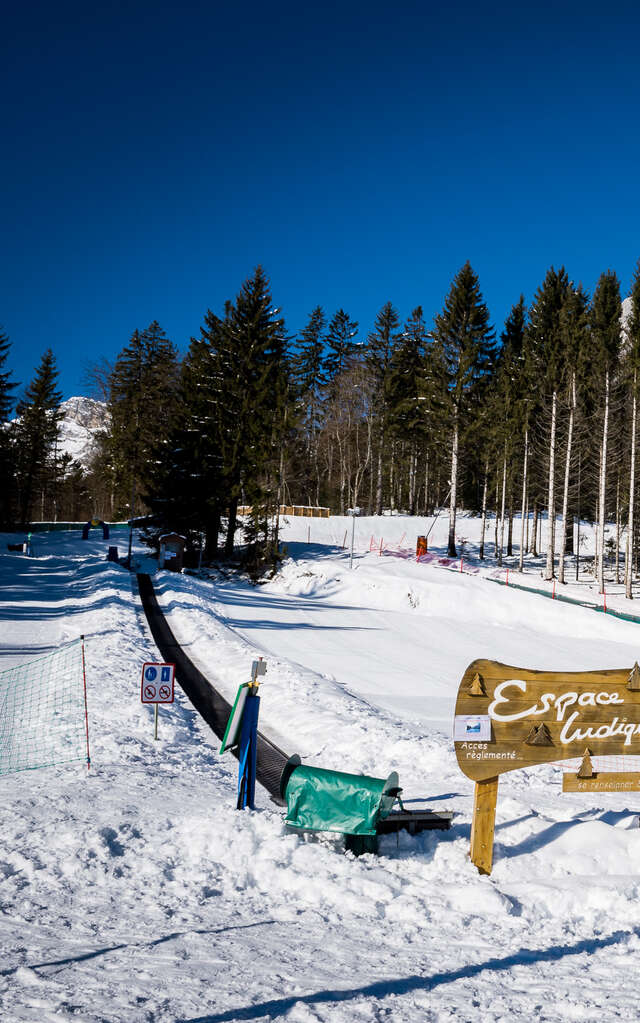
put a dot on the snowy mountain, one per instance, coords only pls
(82, 419)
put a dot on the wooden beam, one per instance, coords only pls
(482, 826)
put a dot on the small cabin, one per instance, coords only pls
(171, 554)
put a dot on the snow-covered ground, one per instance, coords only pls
(136, 892)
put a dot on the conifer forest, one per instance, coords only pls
(535, 419)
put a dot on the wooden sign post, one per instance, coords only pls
(507, 718)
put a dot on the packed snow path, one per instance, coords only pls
(137, 892)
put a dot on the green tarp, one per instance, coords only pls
(321, 800)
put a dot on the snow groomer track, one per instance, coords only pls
(203, 695)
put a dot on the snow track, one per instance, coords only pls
(213, 707)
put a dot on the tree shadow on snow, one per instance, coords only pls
(554, 831)
(405, 985)
(84, 956)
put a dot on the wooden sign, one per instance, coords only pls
(540, 717)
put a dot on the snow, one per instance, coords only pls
(136, 892)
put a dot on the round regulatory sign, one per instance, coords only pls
(150, 692)
(150, 674)
(165, 692)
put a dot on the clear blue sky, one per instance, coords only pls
(154, 154)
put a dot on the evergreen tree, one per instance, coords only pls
(248, 394)
(36, 433)
(574, 325)
(547, 366)
(341, 344)
(633, 370)
(7, 452)
(466, 342)
(502, 426)
(309, 381)
(186, 490)
(382, 344)
(416, 392)
(606, 333)
(6, 386)
(141, 401)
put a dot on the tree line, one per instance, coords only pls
(538, 422)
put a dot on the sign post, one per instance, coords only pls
(242, 732)
(352, 512)
(157, 686)
(508, 718)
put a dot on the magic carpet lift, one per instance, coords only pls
(357, 806)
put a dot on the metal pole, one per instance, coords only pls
(86, 712)
(353, 533)
(156, 722)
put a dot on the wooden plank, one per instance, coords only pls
(483, 824)
(603, 781)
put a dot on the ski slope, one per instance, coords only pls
(136, 892)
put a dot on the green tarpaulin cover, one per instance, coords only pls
(321, 800)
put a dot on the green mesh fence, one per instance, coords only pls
(43, 711)
(626, 616)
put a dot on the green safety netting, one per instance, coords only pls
(42, 711)
(563, 599)
(322, 800)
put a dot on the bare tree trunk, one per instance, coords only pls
(379, 474)
(426, 484)
(628, 561)
(565, 492)
(525, 516)
(534, 531)
(484, 509)
(495, 524)
(603, 480)
(510, 529)
(453, 497)
(502, 508)
(551, 538)
(618, 528)
(392, 472)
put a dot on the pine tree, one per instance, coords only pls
(6, 386)
(186, 490)
(502, 421)
(467, 344)
(7, 452)
(605, 327)
(407, 401)
(547, 365)
(574, 325)
(309, 382)
(251, 390)
(36, 434)
(342, 348)
(382, 344)
(141, 401)
(633, 368)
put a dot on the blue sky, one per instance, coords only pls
(154, 154)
